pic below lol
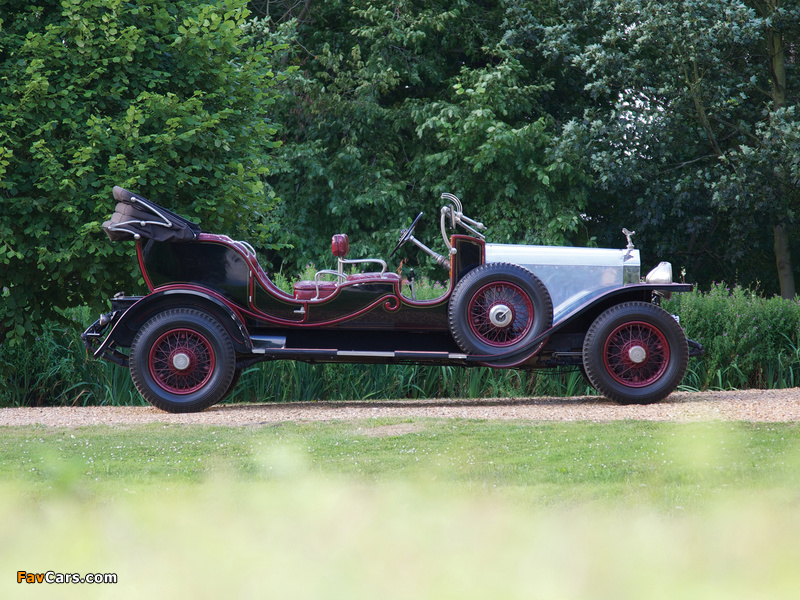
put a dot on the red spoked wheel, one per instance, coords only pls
(635, 353)
(500, 313)
(183, 360)
(499, 308)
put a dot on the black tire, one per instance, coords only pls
(237, 374)
(182, 360)
(588, 381)
(635, 353)
(498, 308)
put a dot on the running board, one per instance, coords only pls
(274, 347)
(354, 355)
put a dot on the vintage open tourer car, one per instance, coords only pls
(212, 311)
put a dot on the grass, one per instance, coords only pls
(658, 464)
(321, 539)
(405, 509)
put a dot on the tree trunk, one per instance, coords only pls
(777, 67)
(777, 63)
(783, 260)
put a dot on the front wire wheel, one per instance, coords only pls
(635, 353)
(182, 360)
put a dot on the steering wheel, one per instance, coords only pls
(405, 235)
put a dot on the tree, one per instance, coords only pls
(169, 99)
(693, 130)
(396, 102)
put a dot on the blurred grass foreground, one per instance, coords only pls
(329, 540)
(421, 509)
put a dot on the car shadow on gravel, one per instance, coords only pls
(675, 398)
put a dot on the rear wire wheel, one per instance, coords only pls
(182, 360)
(635, 353)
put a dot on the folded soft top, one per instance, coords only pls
(137, 217)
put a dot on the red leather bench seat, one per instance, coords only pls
(307, 290)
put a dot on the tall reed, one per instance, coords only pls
(296, 382)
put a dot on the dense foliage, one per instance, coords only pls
(556, 123)
(749, 341)
(692, 134)
(398, 102)
(169, 99)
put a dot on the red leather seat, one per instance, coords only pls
(340, 247)
(307, 290)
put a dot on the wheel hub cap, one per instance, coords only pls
(637, 354)
(501, 315)
(181, 361)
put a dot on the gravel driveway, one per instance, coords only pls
(747, 405)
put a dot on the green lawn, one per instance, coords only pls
(405, 509)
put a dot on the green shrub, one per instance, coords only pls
(749, 341)
(169, 99)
